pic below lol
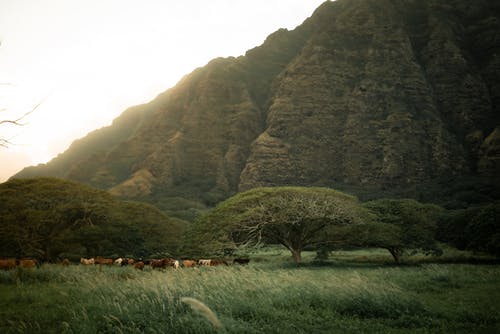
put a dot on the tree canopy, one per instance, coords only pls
(297, 218)
(476, 228)
(403, 225)
(46, 217)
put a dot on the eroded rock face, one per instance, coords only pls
(375, 100)
(369, 94)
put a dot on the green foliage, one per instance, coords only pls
(452, 225)
(179, 207)
(294, 217)
(484, 230)
(46, 217)
(37, 214)
(403, 225)
(159, 232)
(474, 228)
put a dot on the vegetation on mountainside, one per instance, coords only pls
(88, 150)
(47, 218)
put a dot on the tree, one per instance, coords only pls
(294, 217)
(38, 214)
(44, 217)
(483, 231)
(160, 234)
(452, 225)
(403, 226)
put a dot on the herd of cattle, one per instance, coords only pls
(7, 264)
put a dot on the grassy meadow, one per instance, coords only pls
(354, 292)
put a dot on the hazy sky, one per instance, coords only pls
(88, 60)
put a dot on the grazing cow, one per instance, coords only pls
(217, 263)
(204, 262)
(7, 264)
(188, 263)
(241, 261)
(126, 261)
(87, 261)
(28, 263)
(169, 262)
(102, 260)
(139, 265)
(119, 261)
(65, 262)
(166, 262)
(157, 264)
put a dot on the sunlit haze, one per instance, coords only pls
(86, 61)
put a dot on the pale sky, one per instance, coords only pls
(88, 60)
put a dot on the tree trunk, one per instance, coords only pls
(46, 253)
(396, 254)
(297, 257)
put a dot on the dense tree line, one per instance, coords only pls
(476, 228)
(323, 220)
(49, 218)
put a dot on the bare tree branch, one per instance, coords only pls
(5, 143)
(18, 120)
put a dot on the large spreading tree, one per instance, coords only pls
(46, 217)
(297, 218)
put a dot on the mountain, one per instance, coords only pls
(377, 97)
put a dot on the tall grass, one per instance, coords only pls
(259, 298)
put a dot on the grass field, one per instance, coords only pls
(355, 292)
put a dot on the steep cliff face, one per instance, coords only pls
(368, 95)
(388, 94)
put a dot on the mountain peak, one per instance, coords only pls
(374, 97)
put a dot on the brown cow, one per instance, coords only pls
(157, 264)
(102, 260)
(87, 261)
(7, 264)
(218, 263)
(28, 263)
(189, 263)
(139, 265)
(169, 262)
(166, 262)
(65, 262)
